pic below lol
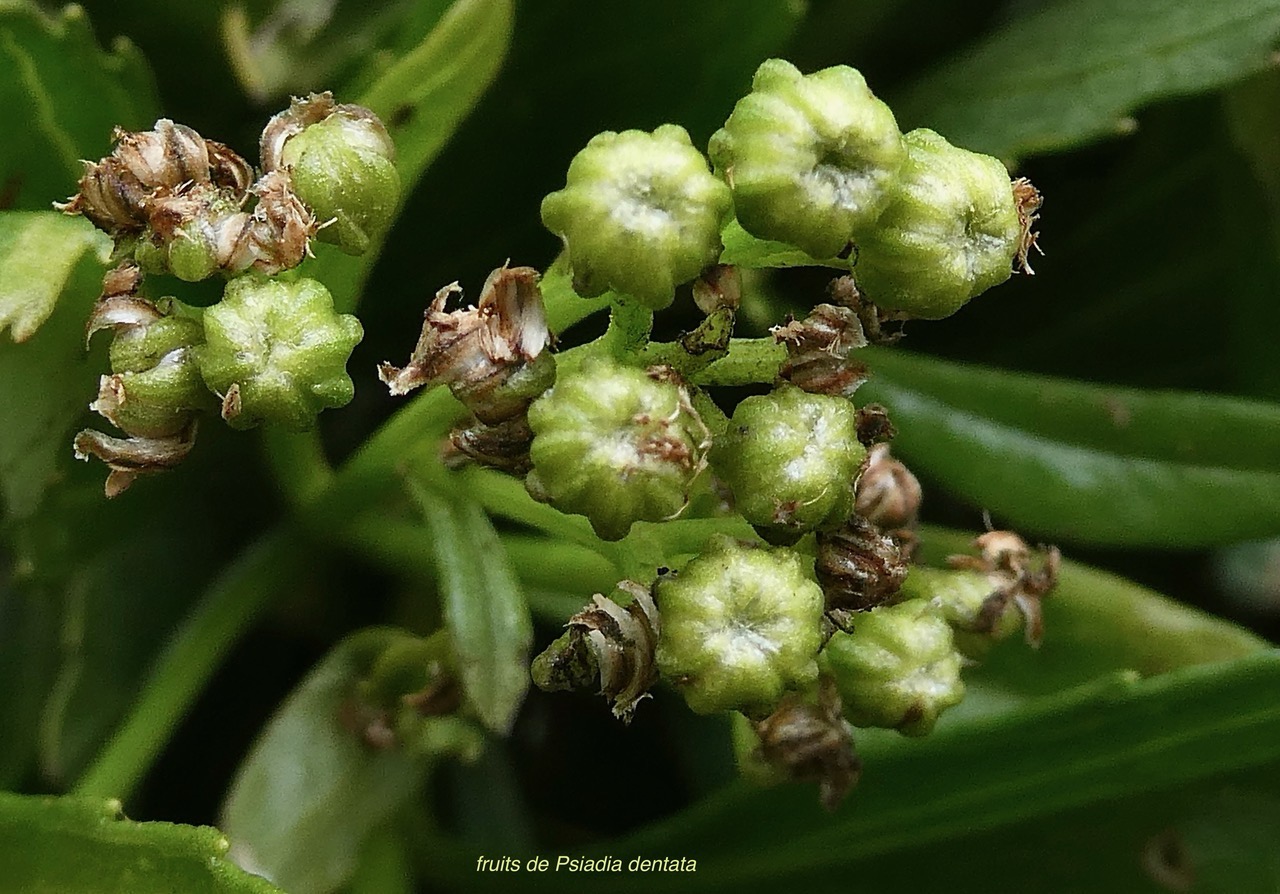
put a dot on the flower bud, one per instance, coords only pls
(951, 231)
(898, 669)
(609, 648)
(741, 627)
(640, 214)
(617, 445)
(277, 352)
(341, 161)
(887, 495)
(790, 459)
(811, 158)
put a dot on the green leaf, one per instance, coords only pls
(1112, 740)
(1096, 624)
(85, 845)
(484, 609)
(423, 97)
(28, 638)
(119, 604)
(298, 46)
(62, 95)
(1217, 835)
(745, 250)
(311, 791)
(1253, 116)
(1086, 463)
(38, 253)
(1105, 744)
(1073, 71)
(50, 269)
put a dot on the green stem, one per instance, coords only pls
(750, 361)
(629, 326)
(299, 463)
(270, 567)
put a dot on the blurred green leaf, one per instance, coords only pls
(300, 46)
(311, 790)
(1072, 71)
(50, 267)
(1116, 740)
(1087, 463)
(1253, 116)
(1100, 742)
(39, 251)
(62, 95)
(484, 609)
(423, 97)
(119, 603)
(28, 638)
(1214, 837)
(86, 846)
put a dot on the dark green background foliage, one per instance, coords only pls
(1124, 403)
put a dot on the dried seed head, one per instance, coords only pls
(1029, 201)
(859, 568)
(129, 458)
(503, 446)
(887, 495)
(819, 348)
(812, 743)
(116, 193)
(192, 234)
(874, 425)
(609, 646)
(485, 354)
(279, 229)
(718, 288)
(1014, 580)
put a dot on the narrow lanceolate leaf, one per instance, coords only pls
(423, 97)
(314, 788)
(50, 271)
(61, 95)
(1073, 71)
(38, 253)
(1105, 744)
(1087, 463)
(85, 845)
(484, 609)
